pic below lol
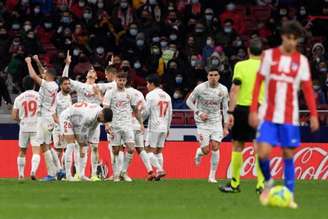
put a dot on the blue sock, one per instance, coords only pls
(265, 167)
(289, 174)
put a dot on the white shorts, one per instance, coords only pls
(45, 125)
(139, 139)
(122, 136)
(94, 135)
(58, 138)
(156, 139)
(27, 137)
(207, 135)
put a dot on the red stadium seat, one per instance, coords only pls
(260, 13)
(250, 24)
(178, 118)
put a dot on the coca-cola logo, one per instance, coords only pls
(311, 162)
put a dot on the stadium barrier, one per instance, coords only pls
(311, 161)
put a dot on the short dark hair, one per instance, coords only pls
(212, 68)
(122, 74)
(292, 28)
(255, 47)
(28, 83)
(52, 72)
(111, 69)
(62, 80)
(153, 78)
(108, 114)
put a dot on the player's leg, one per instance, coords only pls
(128, 138)
(70, 146)
(84, 146)
(94, 141)
(152, 149)
(36, 155)
(116, 139)
(204, 143)
(215, 157)
(159, 155)
(259, 174)
(139, 140)
(23, 142)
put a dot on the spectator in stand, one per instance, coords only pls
(208, 49)
(227, 35)
(4, 47)
(81, 68)
(178, 101)
(236, 18)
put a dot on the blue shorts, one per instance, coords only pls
(278, 134)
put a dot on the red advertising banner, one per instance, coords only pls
(311, 161)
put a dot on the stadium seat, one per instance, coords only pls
(178, 118)
(260, 13)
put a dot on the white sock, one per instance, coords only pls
(160, 159)
(49, 162)
(20, 166)
(82, 164)
(214, 163)
(55, 159)
(77, 158)
(94, 160)
(35, 163)
(62, 160)
(145, 159)
(68, 159)
(199, 152)
(115, 165)
(120, 161)
(127, 160)
(154, 161)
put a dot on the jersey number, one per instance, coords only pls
(162, 108)
(29, 107)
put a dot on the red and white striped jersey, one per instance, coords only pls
(282, 75)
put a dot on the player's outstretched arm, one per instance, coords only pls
(68, 61)
(31, 71)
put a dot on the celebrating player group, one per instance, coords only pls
(270, 78)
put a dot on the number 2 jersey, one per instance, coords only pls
(158, 110)
(28, 106)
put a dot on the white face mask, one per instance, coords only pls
(209, 42)
(81, 4)
(76, 52)
(176, 95)
(137, 65)
(173, 37)
(27, 27)
(100, 50)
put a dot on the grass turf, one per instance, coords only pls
(166, 199)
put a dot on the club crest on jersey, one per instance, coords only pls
(294, 66)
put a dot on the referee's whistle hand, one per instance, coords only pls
(253, 119)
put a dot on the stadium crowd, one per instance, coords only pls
(178, 40)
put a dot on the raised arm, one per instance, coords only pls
(39, 64)
(68, 61)
(31, 71)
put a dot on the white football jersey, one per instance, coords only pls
(159, 110)
(121, 103)
(82, 115)
(140, 105)
(63, 102)
(85, 92)
(28, 106)
(106, 86)
(48, 93)
(205, 99)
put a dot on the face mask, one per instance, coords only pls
(316, 87)
(15, 26)
(156, 39)
(133, 32)
(227, 29)
(66, 20)
(48, 25)
(137, 65)
(302, 12)
(173, 37)
(16, 43)
(30, 36)
(199, 30)
(178, 79)
(283, 12)
(208, 42)
(156, 51)
(140, 42)
(238, 43)
(153, 2)
(323, 70)
(176, 95)
(163, 44)
(208, 17)
(125, 68)
(87, 16)
(92, 1)
(25, 2)
(81, 4)
(193, 63)
(36, 10)
(215, 62)
(231, 7)
(27, 27)
(68, 42)
(124, 5)
(100, 5)
(100, 50)
(76, 52)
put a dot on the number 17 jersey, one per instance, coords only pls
(159, 110)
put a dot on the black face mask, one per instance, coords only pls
(125, 68)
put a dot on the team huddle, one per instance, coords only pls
(272, 81)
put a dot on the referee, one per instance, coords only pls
(240, 100)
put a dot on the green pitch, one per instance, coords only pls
(181, 199)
